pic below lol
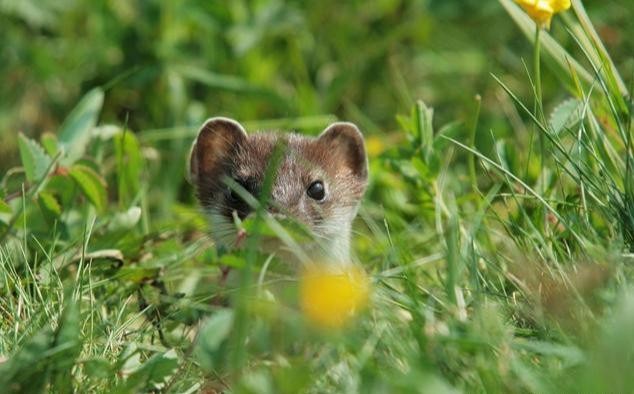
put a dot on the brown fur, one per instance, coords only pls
(337, 158)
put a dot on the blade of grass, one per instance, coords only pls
(521, 183)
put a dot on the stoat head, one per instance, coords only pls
(318, 182)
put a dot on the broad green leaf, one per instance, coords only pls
(97, 368)
(213, 333)
(63, 187)
(67, 337)
(565, 115)
(34, 159)
(129, 359)
(49, 205)
(151, 374)
(75, 133)
(4, 207)
(129, 166)
(50, 143)
(91, 184)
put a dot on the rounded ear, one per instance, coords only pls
(344, 143)
(217, 139)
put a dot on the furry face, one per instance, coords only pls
(319, 181)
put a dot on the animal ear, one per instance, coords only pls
(344, 143)
(217, 140)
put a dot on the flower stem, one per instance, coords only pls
(537, 72)
(539, 111)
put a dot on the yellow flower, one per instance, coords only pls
(374, 145)
(330, 297)
(542, 11)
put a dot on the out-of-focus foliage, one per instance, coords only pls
(497, 230)
(167, 64)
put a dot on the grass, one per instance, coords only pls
(499, 261)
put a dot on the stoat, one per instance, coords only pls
(319, 181)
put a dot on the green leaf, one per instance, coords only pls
(46, 357)
(231, 260)
(226, 82)
(571, 355)
(34, 159)
(26, 371)
(91, 184)
(4, 207)
(49, 206)
(62, 186)
(424, 116)
(97, 368)
(213, 333)
(129, 166)
(136, 274)
(125, 220)
(75, 132)
(218, 81)
(152, 373)
(527, 375)
(50, 143)
(67, 338)
(565, 115)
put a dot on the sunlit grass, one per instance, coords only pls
(496, 266)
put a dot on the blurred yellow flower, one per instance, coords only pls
(542, 11)
(331, 296)
(374, 145)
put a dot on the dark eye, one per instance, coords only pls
(316, 191)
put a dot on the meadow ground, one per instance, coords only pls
(497, 232)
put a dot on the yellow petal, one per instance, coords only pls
(560, 5)
(542, 11)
